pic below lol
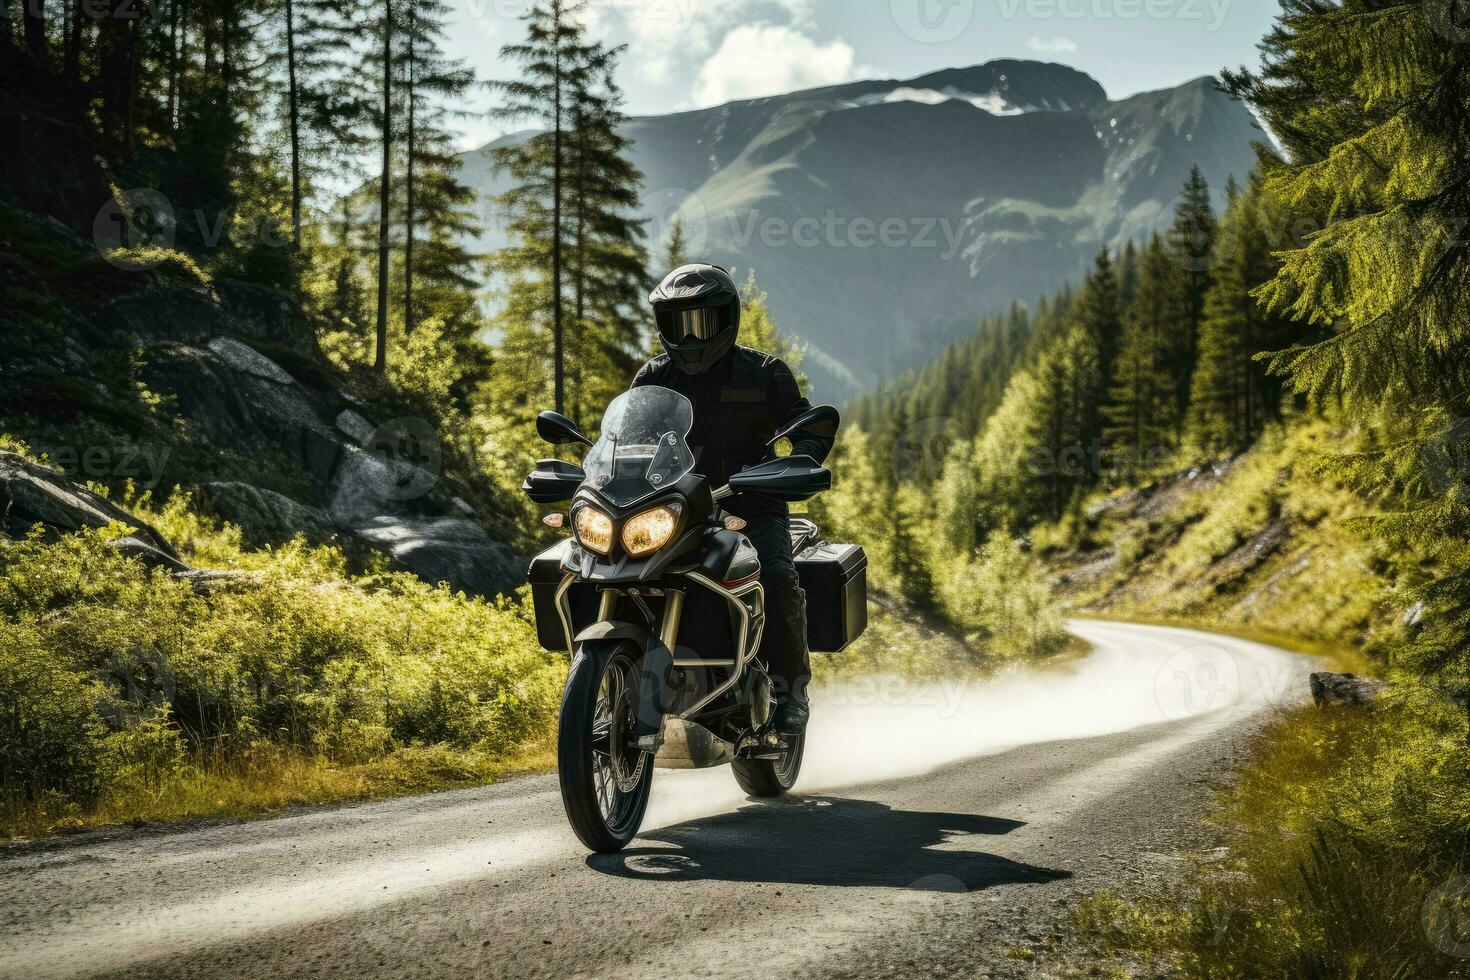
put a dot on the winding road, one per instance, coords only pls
(937, 829)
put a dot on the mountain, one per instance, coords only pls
(885, 217)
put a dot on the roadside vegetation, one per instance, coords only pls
(131, 694)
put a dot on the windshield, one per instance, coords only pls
(642, 447)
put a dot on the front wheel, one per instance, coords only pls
(771, 777)
(605, 779)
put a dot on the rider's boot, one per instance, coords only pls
(792, 713)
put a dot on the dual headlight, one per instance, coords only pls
(643, 533)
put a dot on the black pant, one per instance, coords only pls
(783, 645)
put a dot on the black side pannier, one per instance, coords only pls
(835, 579)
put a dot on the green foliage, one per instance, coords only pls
(1347, 834)
(1233, 398)
(1003, 597)
(1387, 165)
(576, 268)
(1142, 410)
(123, 684)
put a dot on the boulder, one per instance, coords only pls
(241, 400)
(265, 517)
(134, 547)
(31, 494)
(447, 549)
(369, 485)
(242, 357)
(355, 427)
(194, 314)
(1329, 689)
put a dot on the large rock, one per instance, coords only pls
(1329, 688)
(264, 516)
(370, 484)
(31, 495)
(244, 401)
(447, 549)
(193, 314)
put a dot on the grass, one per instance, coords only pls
(274, 780)
(1347, 833)
(1261, 552)
(1343, 834)
(128, 694)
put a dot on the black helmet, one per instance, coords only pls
(697, 310)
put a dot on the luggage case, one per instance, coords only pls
(835, 579)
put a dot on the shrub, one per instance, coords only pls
(51, 733)
(120, 686)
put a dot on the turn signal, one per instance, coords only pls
(555, 520)
(733, 523)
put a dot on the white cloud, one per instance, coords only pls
(668, 36)
(1054, 45)
(766, 59)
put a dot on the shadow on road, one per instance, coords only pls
(822, 840)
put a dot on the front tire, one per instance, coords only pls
(605, 780)
(771, 777)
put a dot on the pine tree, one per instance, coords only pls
(385, 66)
(674, 247)
(553, 61)
(1233, 397)
(1191, 244)
(1092, 344)
(438, 272)
(323, 103)
(1142, 413)
(1371, 102)
(608, 264)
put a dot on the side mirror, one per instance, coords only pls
(821, 421)
(559, 430)
(553, 481)
(790, 478)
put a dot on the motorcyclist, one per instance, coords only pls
(741, 398)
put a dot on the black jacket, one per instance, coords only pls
(738, 406)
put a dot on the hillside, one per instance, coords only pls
(884, 217)
(166, 379)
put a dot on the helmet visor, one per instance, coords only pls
(703, 323)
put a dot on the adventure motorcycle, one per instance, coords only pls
(657, 594)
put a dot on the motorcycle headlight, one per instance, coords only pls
(594, 529)
(649, 531)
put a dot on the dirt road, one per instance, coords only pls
(937, 829)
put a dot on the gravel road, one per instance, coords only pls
(937, 830)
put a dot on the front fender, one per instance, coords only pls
(655, 688)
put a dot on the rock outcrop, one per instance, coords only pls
(1343, 689)
(33, 496)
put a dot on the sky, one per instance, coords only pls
(684, 54)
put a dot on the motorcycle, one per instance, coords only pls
(657, 596)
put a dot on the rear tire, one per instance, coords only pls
(605, 780)
(771, 777)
